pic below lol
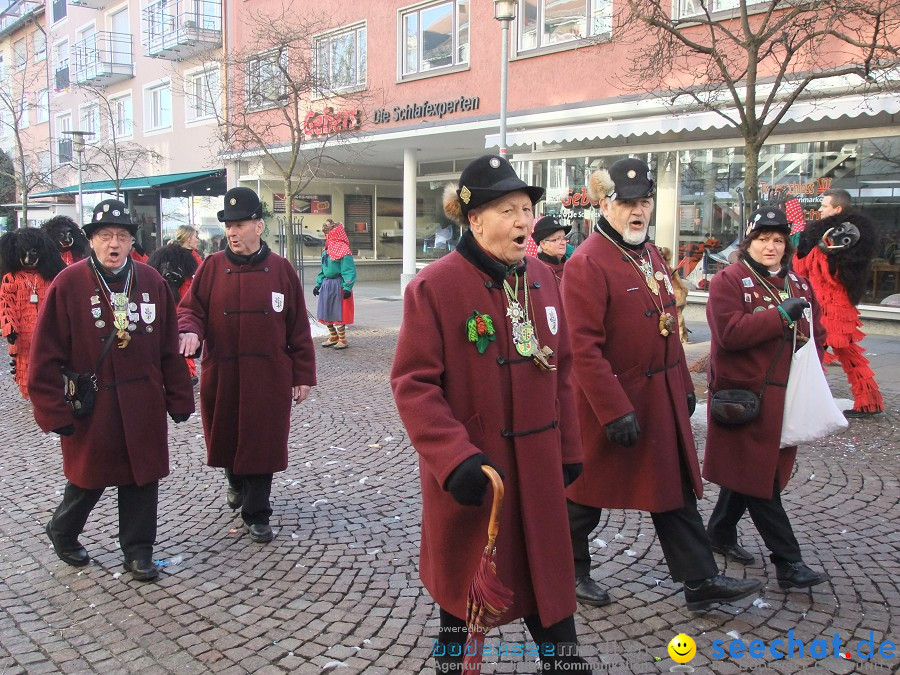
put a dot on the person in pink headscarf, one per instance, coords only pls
(334, 285)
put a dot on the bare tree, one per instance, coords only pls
(286, 106)
(109, 156)
(749, 61)
(20, 99)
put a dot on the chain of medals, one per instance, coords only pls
(775, 293)
(651, 278)
(118, 305)
(523, 334)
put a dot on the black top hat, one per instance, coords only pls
(632, 179)
(241, 203)
(768, 218)
(110, 213)
(488, 178)
(547, 226)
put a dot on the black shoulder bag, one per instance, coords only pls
(736, 407)
(79, 388)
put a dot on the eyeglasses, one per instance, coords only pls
(555, 240)
(123, 237)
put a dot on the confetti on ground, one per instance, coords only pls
(630, 553)
(318, 502)
(762, 604)
(599, 543)
(733, 634)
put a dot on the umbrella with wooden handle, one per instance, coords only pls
(488, 598)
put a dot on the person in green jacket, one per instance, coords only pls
(334, 285)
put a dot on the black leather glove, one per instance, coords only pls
(12, 337)
(571, 472)
(178, 418)
(794, 307)
(346, 294)
(316, 290)
(67, 430)
(624, 430)
(692, 403)
(467, 483)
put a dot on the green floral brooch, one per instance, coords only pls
(480, 330)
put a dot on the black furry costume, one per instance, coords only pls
(70, 240)
(176, 264)
(29, 261)
(838, 268)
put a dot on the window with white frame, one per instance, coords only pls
(434, 36)
(61, 65)
(121, 123)
(687, 8)
(42, 106)
(202, 94)
(90, 121)
(20, 54)
(341, 60)
(39, 41)
(57, 10)
(543, 23)
(22, 110)
(266, 79)
(63, 142)
(158, 107)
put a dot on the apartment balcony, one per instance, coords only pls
(61, 78)
(181, 29)
(104, 58)
(18, 13)
(89, 4)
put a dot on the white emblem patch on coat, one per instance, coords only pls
(277, 301)
(748, 282)
(148, 312)
(552, 320)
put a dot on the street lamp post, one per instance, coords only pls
(504, 12)
(78, 146)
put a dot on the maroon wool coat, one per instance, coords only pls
(124, 441)
(747, 333)
(621, 365)
(456, 403)
(253, 353)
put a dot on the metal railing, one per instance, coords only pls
(64, 150)
(169, 24)
(104, 56)
(61, 81)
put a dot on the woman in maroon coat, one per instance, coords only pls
(754, 306)
(473, 388)
(123, 442)
(246, 306)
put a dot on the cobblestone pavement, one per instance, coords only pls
(338, 589)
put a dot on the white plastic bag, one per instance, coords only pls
(810, 412)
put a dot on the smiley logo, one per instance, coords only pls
(682, 648)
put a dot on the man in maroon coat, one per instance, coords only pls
(110, 298)
(481, 376)
(634, 393)
(246, 306)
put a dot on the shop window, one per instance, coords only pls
(267, 80)
(544, 23)
(434, 36)
(341, 60)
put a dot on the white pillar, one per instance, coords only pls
(667, 204)
(409, 217)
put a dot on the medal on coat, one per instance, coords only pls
(523, 334)
(666, 324)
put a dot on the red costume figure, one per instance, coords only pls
(28, 263)
(177, 266)
(70, 240)
(834, 254)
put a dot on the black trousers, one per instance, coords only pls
(256, 488)
(137, 517)
(561, 658)
(681, 534)
(768, 515)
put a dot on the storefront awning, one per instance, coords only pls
(803, 111)
(142, 183)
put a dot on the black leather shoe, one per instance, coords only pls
(235, 498)
(142, 570)
(798, 575)
(717, 590)
(261, 534)
(735, 553)
(589, 592)
(76, 555)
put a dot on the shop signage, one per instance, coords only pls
(313, 204)
(329, 122)
(414, 111)
(573, 199)
(817, 186)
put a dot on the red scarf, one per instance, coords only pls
(336, 243)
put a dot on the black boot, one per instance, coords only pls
(718, 589)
